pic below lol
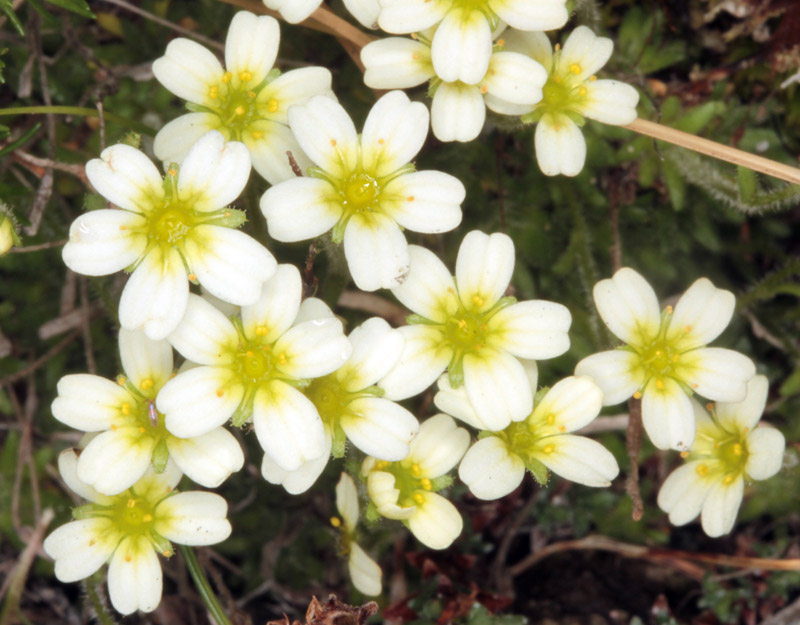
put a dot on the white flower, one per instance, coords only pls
(466, 326)
(571, 93)
(364, 571)
(462, 44)
(495, 465)
(247, 102)
(666, 358)
(352, 407)
(729, 450)
(8, 231)
(170, 231)
(253, 367)
(511, 85)
(293, 11)
(129, 530)
(364, 188)
(131, 432)
(406, 490)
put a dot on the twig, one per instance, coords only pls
(633, 442)
(37, 248)
(102, 117)
(88, 348)
(790, 615)
(503, 579)
(374, 305)
(10, 379)
(79, 171)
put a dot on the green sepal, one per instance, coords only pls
(485, 434)
(455, 372)
(86, 511)
(337, 234)
(441, 482)
(160, 456)
(371, 514)
(244, 410)
(228, 218)
(538, 470)
(533, 117)
(748, 183)
(133, 139)
(171, 181)
(197, 108)
(503, 302)
(415, 319)
(273, 74)
(163, 546)
(539, 395)
(433, 85)
(339, 443)
(374, 391)
(576, 117)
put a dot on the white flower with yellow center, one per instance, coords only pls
(131, 432)
(247, 101)
(352, 407)
(462, 44)
(512, 84)
(254, 367)
(295, 11)
(729, 450)
(364, 188)
(170, 231)
(8, 231)
(666, 359)
(129, 530)
(571, 93)
(496, 464)
(364, 571)
(407, 490)
(466, 326)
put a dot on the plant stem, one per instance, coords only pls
(209, 598)
(79, 111)
(716, 150)
(97, 604)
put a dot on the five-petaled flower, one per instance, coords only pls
(728, 451)
(294, 11)
(666, 359)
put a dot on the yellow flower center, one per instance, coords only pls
(359, 193)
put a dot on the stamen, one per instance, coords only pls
(709, 406)
(592, 78)
(419, 498)
(548, 449)
(128, 558)
(114, 427)
(562, 428)
(684, 454)
(239, 110)
(426, 484)
(727, 479)
(702, 469)
(415, 56)
(272, 105)
(575, 68)
(637, 395)
(213, 92)
(501, 42)
(245, 76)
(336, 521)
(251, 94)
(192, 277)
(669, 310)
(166, 553)
(261, 330)
(282, 358)
(226, 77)
(484, 89)
(126, 409)
(477, 300)
(141, 430)
(121, 380)
(551, 419)
(220, 392)
(410, 198)
(131, 503)
(92, 542)
(415, 470)
(146, 384)
(557, 47)
(660, 385)
(583, 91)
(333, 142)
(147, 518)
(381, 141)
(737, 449)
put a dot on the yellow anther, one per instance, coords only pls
(477, 300)
(548, 449)
(583, 91)
(381, 464)
(675, 358)
(419, 498)
(220, 392)
(166, 553)
(694, 385)
(501, 42)
(450, 289)
(249, 354)
(192, 277)
(381, 141)
(213, 92)
(172, 171)
(637, 395)
(727, 479)
(261, 330)
(684, 454)
(123, 227)
(575, 68)
(669, 310)
(141, 430)
(147, 518)
(226, 77)
(716, 445)
(551, 419)
(92, 542)
(556, 79)
(660, 385)
(414, 35)
(146, 384)
(227, 213)
(239, 110)
(737, 449)
(415, 470)
(415, 56)
(410, 198)
(131, 503)
(128, 558)
(126, 409)
(282, 358)
(658, 353)
(702, 469)
(484, 89)
(245, 76)
(709, 406)
(272, 105)
(557, 47)
(426, 484)
(336, 521)
(251, 94)
(257, 134)
(114, 427)
(462, 324)
(121, 379)
(592, 78)
(687, 329)
(562, 428)
(333, 142)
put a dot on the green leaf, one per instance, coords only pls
(748, 183)
(676, 186)
(694, 120)
(8, 9)
(791, 386)
(78, 7)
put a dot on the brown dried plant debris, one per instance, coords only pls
(332, 612)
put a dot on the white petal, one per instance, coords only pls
(205, 335)
(393, 134)
(457, 112)
(376, 252)
(628, 306)
(436, 522)
(68, 468)
(744, 415)
(232, 265)
(276, 309)
(560, 146)
(134, 577)
(287, 425)
(79, 549)
(379, 427)
(214, 172)
(683, 492)
(299, 480)
(536, 45)
(207, 459)
(126, 177)
(115, 460)
(462, 46)
(199, 400)
(144, 359)
(408, 16)
(504, 107)
(251, 46)
(527, 15)
(88, 402)
(581, 460)
(497, 387)
(573, 402)
(483, 269)
(701, 314)
(515, 78)
(717, 373)
(327, 135)
(313, 348)
(366, 12)
(313, 308)
(455, 402)
(721, 507)
(534, 329)
(294, 11)
(188, 70)
(423, 360)
(609, 101)
(103, 242)
(364, 571)
(618, 373)
(765, 447)
(155, 296)
(667, 415)
(429, 290)
(377, 348)
(347, 501)
(396, 63)
(439, 445)
(269, 143)
(295, 87)
(193, 518)
(383, 494)
(175, 139)
(490, 470)
(425, 201)
(301, 208)
(586, 50)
